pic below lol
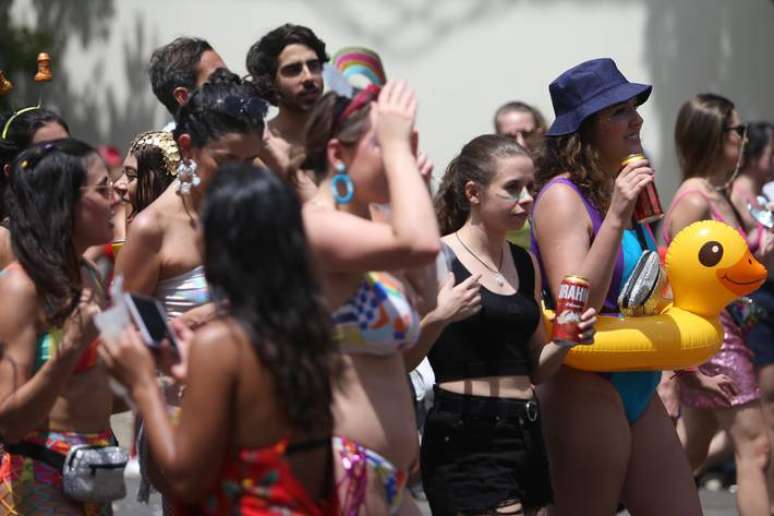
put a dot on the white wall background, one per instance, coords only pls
(464, 57)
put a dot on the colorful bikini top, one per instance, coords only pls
(48, 342)
(46, 347)
(183, 292)
(378, 319)
(257, 481)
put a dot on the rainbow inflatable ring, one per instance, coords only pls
(708, 265)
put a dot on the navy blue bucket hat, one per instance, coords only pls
(588, 88)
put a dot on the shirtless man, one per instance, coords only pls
(286, 65)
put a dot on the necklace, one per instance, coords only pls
(499, 278)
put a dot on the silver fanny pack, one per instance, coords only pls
(94, 473)
(640, 294)
(90, 473)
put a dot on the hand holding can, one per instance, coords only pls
(570, 305)
(648, 206)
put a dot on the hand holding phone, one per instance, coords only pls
(151, 320)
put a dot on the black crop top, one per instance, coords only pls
(495, 341)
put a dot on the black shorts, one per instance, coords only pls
(480, 453)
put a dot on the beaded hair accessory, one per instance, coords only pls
(43, 150)
(162, 140)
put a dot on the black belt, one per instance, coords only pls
(37, 452)
(485, 406)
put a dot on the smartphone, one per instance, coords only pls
(151, 319)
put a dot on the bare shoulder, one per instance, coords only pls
(18, 291)
(559, 199)
(15, 282)
(559, 206)
(692, 195)
(147, 226)
(220, 341)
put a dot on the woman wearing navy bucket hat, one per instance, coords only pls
(608, 436)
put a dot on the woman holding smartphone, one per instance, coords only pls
(223, 121)
(54, 392)
(255, 425)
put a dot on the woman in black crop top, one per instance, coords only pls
(482, 450)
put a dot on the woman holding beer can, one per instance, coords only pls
(482, 448)
(709, 138)
(609, 438)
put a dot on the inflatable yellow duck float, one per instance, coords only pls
(708, 265)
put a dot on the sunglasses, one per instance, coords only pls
(738, 129)
(253, 108)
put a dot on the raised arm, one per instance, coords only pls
(348, 243)
(563, 230)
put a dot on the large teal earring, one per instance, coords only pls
(341, 177)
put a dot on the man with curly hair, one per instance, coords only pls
(286, 66)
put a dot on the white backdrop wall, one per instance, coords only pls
(464, 57)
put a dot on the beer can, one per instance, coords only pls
(648, 206)
(570, 304)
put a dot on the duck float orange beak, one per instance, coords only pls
(708, 265)
(742, 275)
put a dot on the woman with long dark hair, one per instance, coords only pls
(18, 131)
(222, 122)
(258, 392)
(155, 160)
(148, 169)
(360, 150)
(53, 392)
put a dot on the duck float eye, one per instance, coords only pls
(711, 253)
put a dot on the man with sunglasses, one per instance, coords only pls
(286, 66)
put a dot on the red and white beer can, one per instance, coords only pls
(648, 205)
(571, 302)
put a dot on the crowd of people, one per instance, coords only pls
(344, 339)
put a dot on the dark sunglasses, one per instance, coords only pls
(738, 129)
(253, 108)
